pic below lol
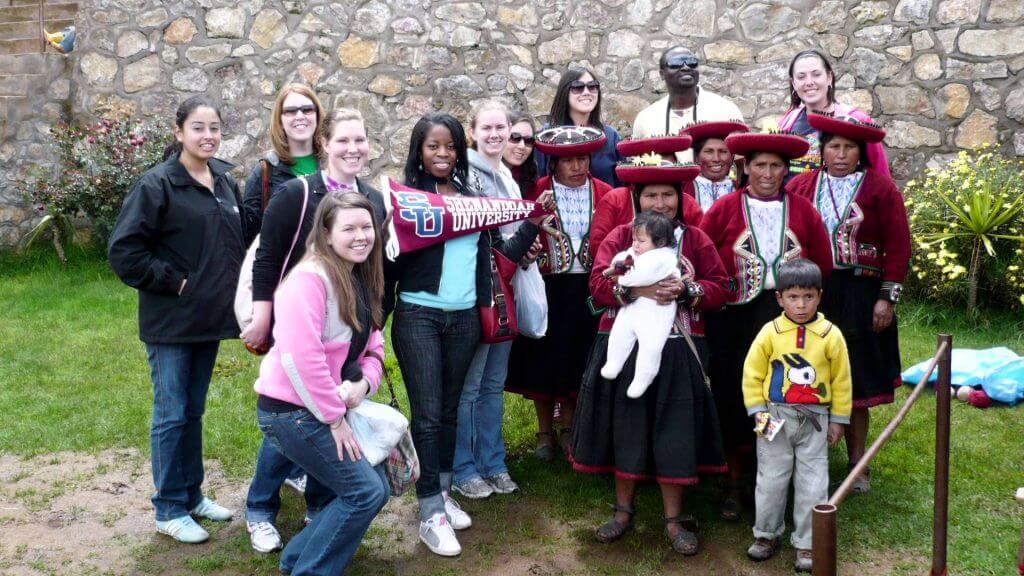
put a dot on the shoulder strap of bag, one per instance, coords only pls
(266, 183)
(387, 378)
(298, 229)
(696, 356)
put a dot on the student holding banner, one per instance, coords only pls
(565, 262)
(435, 292)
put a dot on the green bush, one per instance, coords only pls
(967, 220)
(96, 165)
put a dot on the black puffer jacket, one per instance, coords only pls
(172, 228)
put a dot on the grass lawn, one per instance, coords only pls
(73, 377)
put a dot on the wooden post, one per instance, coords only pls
(823, 547)
(940, 523)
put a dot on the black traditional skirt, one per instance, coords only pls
(849, 302)
(670, 434)
(730, 332)
(550, 368)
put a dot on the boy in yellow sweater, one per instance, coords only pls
(796, 383)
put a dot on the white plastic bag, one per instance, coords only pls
(378, 429)
(531, 301)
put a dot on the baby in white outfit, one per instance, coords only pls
(652, 258)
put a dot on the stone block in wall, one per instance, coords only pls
(180, 31)
(99, 71)
(952, 100)
(190, 80)
(225, 23)
(910, 100)
(729, 52)
(905, 134)
(958, 11)
(130, 43)
(831, 15)
(142, 74)
(976, 130)
(988, 95)
(208, 54)
(834, 44)
(1014, 104)
(963, 70)
(268, 28)
(151, 18)
(359, 53)
(692, 18)
(865, 12)
(564, 48)
(904, 53)
(1005, 11)
(928, 67)
(372, 18)
(765, 22)
(592, 15)
(472, 13)
(922, 40)
(880, 35)
(1002, 42)
(1018, 143)
(784, 50)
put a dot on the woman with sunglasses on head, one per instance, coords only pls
(686, 103)
(866, 219)
(435, 294)
(295, 149)
(755, 230)
(578, 103)
(564, 260)
(812, 86)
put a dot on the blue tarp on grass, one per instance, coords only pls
(998, 371)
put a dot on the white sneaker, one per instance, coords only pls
(264, 536)
(456, 515)
(438, 535)
(212, 511)
(183, 529)
(297, 484)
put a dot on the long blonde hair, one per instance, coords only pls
(340, 275)
(278, 139)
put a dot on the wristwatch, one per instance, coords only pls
(891, 291)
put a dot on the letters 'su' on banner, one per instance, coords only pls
(420, 219)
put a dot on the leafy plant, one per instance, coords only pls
(96, 166)
(967, 218)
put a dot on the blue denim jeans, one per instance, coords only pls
(327, 545)
(272, 468)
(181, 377)
(434, 349)
(479, 444)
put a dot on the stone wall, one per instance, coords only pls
(939, 74)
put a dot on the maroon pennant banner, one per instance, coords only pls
(420, 219)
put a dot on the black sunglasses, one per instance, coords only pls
(308, 110)
(677, 62)
(577, 86)
(516, 138)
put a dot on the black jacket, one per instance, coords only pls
(420, 271)
(171, 228)
(278, 231)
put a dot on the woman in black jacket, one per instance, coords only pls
(435, 293)
(180, 240)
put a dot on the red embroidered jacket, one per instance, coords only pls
(698, 262)
(617, 208)
(556, 257)
(874, 235)
(727, 225)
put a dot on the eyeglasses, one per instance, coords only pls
(577, 87)
(677, 62)
(307, 110)
(516, 138)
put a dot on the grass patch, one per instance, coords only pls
(74, 376)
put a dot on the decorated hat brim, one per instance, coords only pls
(705, 130)
(659, 145)
(572, 149)
(853, 130)
(788, 146)
(656, 174)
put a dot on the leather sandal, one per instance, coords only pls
(685, 541)
(565, 440)
(612, 530)
(544, 451)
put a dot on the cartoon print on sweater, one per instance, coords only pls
(801, 376)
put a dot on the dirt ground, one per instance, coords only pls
(90, 514)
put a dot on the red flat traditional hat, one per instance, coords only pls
(704, 130)
(650, 169)
(657, 145)
(846, 127)
(569, 140)
(785, 144)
